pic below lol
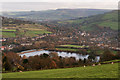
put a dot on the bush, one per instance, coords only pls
(108, 55)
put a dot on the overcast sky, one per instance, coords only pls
(14, 5)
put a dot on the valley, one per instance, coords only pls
(63, 45)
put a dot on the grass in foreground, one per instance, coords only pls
(102, 71)
(117, 60)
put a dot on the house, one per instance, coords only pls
(2, 48)
(2, 40)
(26, 44)
(10, 47)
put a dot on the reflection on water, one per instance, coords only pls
(62, 54)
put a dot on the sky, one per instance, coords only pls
(38, 5)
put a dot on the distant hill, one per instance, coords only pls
(59, 14)
(109, 20)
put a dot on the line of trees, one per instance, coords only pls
(13, 62)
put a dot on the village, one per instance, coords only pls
(101, 40)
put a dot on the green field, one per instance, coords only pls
(66, 49)
(29, 33)
(35, 32)
(112, 25)
(8, 34)
(9, 30)
(101, 71)
(75, 46)
(28, 30)
(69, 48)
(102, 51)
(21, 32)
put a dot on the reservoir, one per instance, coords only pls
(62, 54)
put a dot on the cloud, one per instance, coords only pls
(59, 1)
(37, 6)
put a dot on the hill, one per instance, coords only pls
(20, 28)
(109, 20)
(58, 14)
(100, 71)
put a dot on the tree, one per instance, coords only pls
(45, 55)
(92, 55)
(108, 55)
(13, 58)
(117, 56)
(25, 61)
(7, 65)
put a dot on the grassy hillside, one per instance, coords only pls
(59, 14)
(13, 27)
(29, 30)
(109, 19)
(99, 71)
